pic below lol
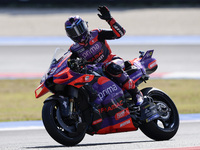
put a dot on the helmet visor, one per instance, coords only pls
(76, 29)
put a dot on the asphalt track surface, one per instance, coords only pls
(187, 138)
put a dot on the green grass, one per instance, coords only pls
(18, 102)
(184, 93)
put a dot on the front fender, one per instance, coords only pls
(63, 103)
(147, 90)
(55, 98)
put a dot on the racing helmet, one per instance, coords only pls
(77, 29)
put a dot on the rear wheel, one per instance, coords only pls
(166, 126)
(61, 130)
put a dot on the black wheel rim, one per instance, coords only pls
(168, 120)
(61, 125)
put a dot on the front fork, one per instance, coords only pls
(68, 103)
(67, 108)
(71, 106)
(72, 111)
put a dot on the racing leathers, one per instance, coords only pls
(97, 50)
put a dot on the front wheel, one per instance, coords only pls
(166, 126)
(59, 129)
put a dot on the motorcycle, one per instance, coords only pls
(86, 100)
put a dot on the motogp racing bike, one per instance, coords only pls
(85, 100)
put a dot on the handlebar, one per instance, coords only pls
(78, 64)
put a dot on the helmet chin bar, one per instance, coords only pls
(77, 29)
(82, 38)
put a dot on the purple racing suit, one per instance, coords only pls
(97, 50)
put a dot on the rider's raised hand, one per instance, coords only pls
(104, 13)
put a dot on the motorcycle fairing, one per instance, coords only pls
(147, 55)
(124, 126)
(149, 63)
(64, 76)
(138, 73)
(110, 113)
(145, 60)
(41, 90)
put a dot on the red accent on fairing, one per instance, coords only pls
(136, 79)
(79, 82)
(130, 84)
(110, 108)
(134, 82)
(124, 126)
(152, 64)
(60, 81)
(43, 90)
(64, 72)
(102, 80)
(63, 61)
(122, 114)
(134, 60)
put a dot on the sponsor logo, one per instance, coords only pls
(137, 76)
(111, 89)
(152, 118)
(118, 30)
(81, 50)
(112, 107)
(52, 70)
(148, 55)
(92, 51)
(87, 78)
(121, 114)
(99, 59)
(96, 121)
(125, 123)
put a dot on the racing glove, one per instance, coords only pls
(104, 13)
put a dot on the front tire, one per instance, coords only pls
(56, 127)
(166, 126)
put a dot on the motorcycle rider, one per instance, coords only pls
(92, 46)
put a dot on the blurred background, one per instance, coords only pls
(163, 25)
(139, 17)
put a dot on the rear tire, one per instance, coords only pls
(55, 128)
(166, 126)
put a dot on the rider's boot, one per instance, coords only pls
(137, 97)
(128, 84)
